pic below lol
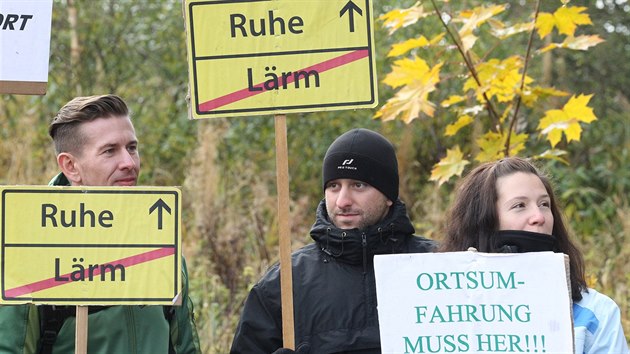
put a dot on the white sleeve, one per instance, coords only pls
(608, 338)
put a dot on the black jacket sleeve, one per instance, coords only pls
(260, 327)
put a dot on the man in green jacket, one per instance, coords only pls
(96, 145)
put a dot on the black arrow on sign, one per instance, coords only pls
(159, 205)
(350, 7)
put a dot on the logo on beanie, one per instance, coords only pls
(346, 165)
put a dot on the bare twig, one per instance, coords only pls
(471, 68)
(519, 97)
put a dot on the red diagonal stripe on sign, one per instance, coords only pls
(245, 93)
(126, 262)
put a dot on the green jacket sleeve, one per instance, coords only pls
(19, 329)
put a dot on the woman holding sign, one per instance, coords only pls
(509, 206)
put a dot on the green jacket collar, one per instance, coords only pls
(59, 180)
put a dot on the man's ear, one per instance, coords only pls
(68, 164)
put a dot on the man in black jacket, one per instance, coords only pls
(334, 291)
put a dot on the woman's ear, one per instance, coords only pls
(68, 164)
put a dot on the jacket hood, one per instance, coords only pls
(354, 245)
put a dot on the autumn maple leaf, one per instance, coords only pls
(499, 30)
(575, 43)
(500, 78)
(413, 43)
(461, 122)
(492, 145)
(451, 165)
(565, 19)
(418, 80)
(398, 18)
(472, 20)
(567, 120)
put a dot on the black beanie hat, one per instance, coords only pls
(366, 156)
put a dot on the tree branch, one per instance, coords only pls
(519, 97)
(471, 68)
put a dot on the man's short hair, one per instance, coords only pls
(64, 129)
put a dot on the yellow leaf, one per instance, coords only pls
(408, 103)
(500, 79)
(404, 47)
(405, 71)
(517, 143)
(399, 18)
(554, 137)
(530, 96)
(472, 20)
(462, 121)
(413, 98)
(573, 132)
(468, 41)
(491, 145)
(582, 42)
(554, 154)
(452, 100)
(451, 165)
(435, 40)
(578, 108)
(545, 24)
(547, 48)
(569, 17)
(575, 43)
(591, 280)
(474, 110)
(567, 120)
(500, 31)
(552, 124)
(565, 19)
(506, 112)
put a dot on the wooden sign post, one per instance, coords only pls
(81, 330)
(286, 273)
(311, 55)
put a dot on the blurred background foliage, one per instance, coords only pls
(226, 167)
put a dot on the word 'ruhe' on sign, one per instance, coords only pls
(269, 25)
(68, 218)
(275, 81)
(7, 21)
(80, 272)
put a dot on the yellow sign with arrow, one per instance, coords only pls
(90, 245)
(279, 56)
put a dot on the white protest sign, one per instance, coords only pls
(470, 302)
(25, 28)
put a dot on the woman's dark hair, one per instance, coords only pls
(473, 218)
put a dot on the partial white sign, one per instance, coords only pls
(25, 27)
(470, 302)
